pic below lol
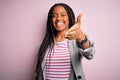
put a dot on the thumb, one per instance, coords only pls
(79, 18)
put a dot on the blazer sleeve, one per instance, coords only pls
(89, 52)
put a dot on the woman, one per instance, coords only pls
(63, 46)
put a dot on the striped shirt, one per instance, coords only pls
(58, 66)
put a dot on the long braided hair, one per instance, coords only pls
(48, 40)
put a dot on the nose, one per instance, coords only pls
(58, 17)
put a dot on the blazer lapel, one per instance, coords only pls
(75, 57)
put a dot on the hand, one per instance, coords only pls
(75, 32)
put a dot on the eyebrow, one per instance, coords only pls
(60, 12)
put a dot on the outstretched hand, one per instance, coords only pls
(75, 31)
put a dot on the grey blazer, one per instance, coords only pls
(76, 54)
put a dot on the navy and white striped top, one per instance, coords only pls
(58, 64)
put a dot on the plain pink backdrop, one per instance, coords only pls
(22, 27)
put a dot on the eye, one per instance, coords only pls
(63, 15)
(54, 16)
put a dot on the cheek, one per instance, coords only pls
(67, 22)
(53, 21)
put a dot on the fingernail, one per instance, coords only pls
(66, 34)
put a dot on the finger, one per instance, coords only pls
(79, 18)
(66, 34)
(73, 28)
(70, 34)
(70, 37)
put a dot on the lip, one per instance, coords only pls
(59, 23)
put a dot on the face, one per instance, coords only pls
(60, 19)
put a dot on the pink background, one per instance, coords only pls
(22, 26)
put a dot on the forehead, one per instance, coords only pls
(59, 9)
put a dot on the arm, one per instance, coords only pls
(89, 51)
(87, 48)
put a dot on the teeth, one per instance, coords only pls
(59, 23)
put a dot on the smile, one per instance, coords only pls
(59, 23)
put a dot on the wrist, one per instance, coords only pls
(82, 40)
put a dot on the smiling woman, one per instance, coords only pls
(60, 19)
(62, 49)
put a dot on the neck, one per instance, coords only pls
(60, 36)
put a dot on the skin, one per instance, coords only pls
(61, 23)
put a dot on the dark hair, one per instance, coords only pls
(48, 40)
